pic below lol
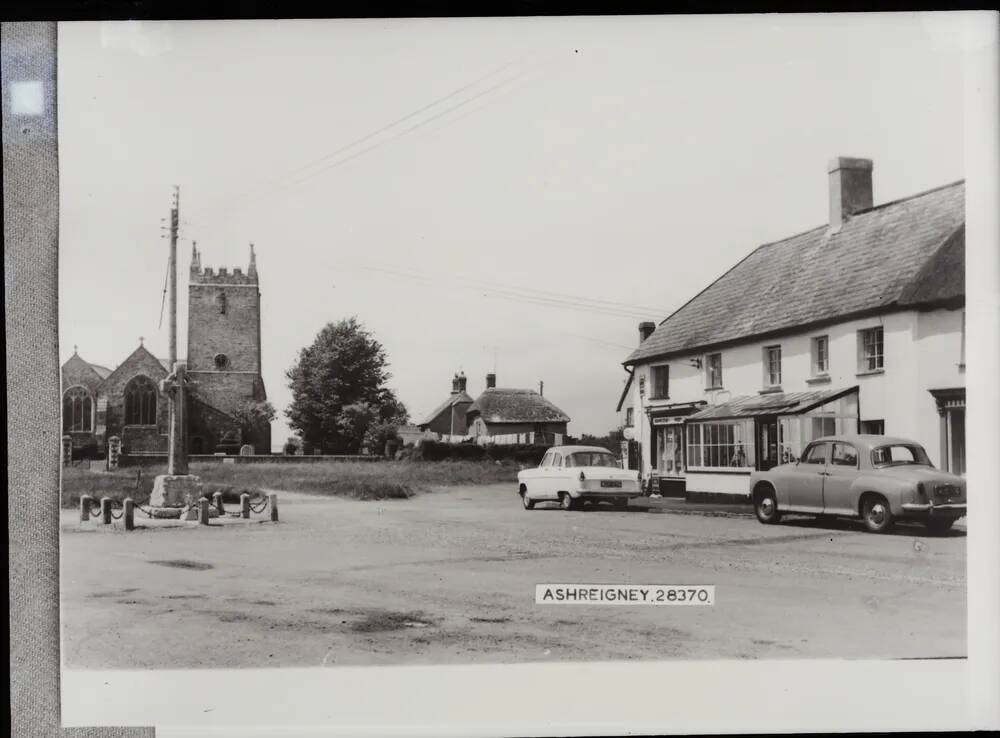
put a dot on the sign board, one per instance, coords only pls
(668, 420)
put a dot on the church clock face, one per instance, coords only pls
(221, 362)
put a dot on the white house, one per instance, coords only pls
(855, 326)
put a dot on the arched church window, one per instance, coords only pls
(78, 410)
(140, 401)
(220, 301)
(221, 362)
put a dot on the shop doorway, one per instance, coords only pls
(767, 442)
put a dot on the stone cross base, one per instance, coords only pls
(192, 514)
(179, 490)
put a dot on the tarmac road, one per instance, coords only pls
(449, 577)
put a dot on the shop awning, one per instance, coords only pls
(674, 408)
(778, 403)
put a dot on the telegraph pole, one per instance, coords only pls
(174, 221)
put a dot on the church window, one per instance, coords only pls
(221, 362)
(78, 410)
(140, 401)
(220, 301)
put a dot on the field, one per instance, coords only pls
(358, 480)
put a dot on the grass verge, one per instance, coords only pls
(358, 480)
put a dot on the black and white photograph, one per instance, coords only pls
(528, 343)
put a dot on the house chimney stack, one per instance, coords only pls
(646, 329)
(461, 382)
(454, 384)
(541, 388)
(491, 380)
(850, 188)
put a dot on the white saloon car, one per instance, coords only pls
(571, 475)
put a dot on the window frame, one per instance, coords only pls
(709, 384)
(804, 458)
(867, 432)
(722, 439)
(815, 343)
(630, 417)
(864, 360)
(653, 374)
(768, 373)
(142, 412)
(857, 454)
(78, 395)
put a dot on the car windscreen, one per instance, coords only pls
(591, 458)
(899, 453)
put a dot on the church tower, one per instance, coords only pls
(223, 354)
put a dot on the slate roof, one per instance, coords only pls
(900, 254)
(102, 371)
(501, 405)
(454, 399)
(779, 403)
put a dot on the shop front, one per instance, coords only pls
(724, 443)
(667, 464)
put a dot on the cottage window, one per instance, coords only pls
(140, 401)
(873, 427)
(713, 371)
(820, 355)
(870, 350)
(772, 366)
(661, 382)
(629, 417)
(78, 410)
(726, 444)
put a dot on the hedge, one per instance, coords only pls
(438, 451)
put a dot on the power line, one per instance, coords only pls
(278, 183)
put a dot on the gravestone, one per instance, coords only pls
(177, 489)
(246, 450)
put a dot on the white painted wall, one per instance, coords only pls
(922, 351)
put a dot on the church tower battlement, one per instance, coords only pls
(222, 276)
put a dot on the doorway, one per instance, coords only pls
(767, 442)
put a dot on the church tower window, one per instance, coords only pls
(220, 301)
(78, 410)
(140, 401)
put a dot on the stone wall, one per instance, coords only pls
(234, 332)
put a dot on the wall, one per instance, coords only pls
(450, 423)
(921, 352)
(141, 362)
(235, 333)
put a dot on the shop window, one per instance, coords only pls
(870, 350)
(713, 371)
(670, 445)
(873, 427)
(140, 401)
(722, 445)
(820, 355)
(78, 410)
(661, 382)
(772, 366)
(795, 432)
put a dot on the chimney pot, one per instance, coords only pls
(646, 329)
(491, 380)
(850, 188)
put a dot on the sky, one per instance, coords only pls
(508, 195)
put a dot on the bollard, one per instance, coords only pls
(203, 511)
(245, 505)
(85, 501)
(273, 501)
(217, 501)
(129, 514)
(106, 510)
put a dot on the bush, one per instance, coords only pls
(437, 451)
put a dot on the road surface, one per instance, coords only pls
(449, 577)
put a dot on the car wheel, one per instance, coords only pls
(766, 507)
(877, 515)
(566, 502)
(529, 504)
(939, 525)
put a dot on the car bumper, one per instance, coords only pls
(930, 510)
(604, 494)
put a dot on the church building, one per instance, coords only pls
(224, 367)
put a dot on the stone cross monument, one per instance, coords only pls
(176, 489)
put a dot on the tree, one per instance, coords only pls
(345, 367)
(253, 418)
(612, 441)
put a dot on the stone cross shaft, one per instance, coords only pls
(174, 387)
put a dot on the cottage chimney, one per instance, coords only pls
(850, 188)
(541, 388)
(646, 329)
(454, 385)
(461, 382)
(491, 380)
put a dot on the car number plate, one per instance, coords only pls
(606, 483)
